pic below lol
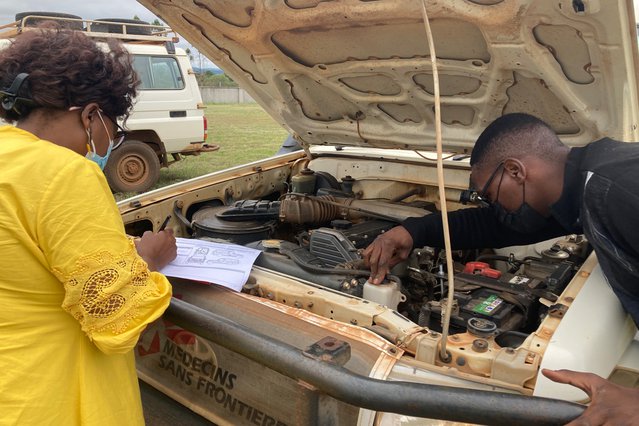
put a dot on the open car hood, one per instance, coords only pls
(358, 73)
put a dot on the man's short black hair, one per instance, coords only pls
(514, 135)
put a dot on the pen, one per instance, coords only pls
(166, 221)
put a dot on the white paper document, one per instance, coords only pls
(225, 264)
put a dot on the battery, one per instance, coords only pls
(480, 303)
(487, 304)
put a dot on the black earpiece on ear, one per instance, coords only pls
(10, 99)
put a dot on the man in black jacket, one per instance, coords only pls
(533, 188)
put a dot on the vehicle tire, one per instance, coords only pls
(133, 167)
(117, 29)
(69, 25)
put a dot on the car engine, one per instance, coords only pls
(317, 231)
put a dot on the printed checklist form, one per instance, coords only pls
(228, 265)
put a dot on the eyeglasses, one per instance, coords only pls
(480, 198)
(119, 137)
(120, 133)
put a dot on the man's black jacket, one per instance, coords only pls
(600, 199)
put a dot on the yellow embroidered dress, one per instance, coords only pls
(74, 294)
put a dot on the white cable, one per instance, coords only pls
(440, 184)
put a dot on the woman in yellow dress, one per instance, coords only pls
(75, 292)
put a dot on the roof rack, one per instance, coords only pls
(123, 29)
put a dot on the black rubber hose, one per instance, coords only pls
(494, 257)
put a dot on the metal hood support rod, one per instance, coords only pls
(413, 399)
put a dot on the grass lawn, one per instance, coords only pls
(244, 132)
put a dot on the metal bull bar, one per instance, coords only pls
(412, 399)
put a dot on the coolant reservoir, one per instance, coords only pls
(304, 182)
(387, 294)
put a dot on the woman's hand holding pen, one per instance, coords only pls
(166, 222)
(157, 249)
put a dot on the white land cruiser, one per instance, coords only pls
(305, 342)
(167, 120)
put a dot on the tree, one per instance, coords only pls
(156, 21)
(189, 53)
(209, 78)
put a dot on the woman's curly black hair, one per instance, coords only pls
(66, 68)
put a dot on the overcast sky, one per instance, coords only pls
(94, 9)
(87, 9)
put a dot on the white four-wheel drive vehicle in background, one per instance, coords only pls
(167, 120)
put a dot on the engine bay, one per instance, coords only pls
(311, 219)
(317, 230)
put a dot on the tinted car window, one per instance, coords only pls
(158, 72)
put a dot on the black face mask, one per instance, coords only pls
(525, 219)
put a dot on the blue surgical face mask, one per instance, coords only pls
(92, 154)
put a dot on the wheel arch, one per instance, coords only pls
(133, 167)
(151, 138)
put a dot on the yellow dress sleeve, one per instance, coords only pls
(108, 288)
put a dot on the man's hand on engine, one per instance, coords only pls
(610, 404)
(386, 251)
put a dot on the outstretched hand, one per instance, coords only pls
(157, 249)
(386, 251)
(610, 404)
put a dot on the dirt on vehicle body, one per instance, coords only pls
(308, 341)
